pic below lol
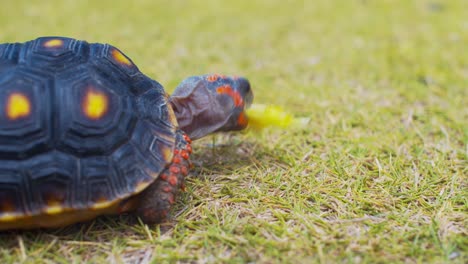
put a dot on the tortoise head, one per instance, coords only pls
(211, 103)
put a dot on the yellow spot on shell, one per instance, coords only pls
(120, 58)
(53, 43)
(18, 106)
(95, 104)
(167, 153)
(141, 186)
(54, 209)
(101, 204)
(7, 217)
(172, 116)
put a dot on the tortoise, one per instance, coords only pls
(84, 133)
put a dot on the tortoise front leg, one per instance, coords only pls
(156, 201)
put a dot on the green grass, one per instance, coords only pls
(379, 174)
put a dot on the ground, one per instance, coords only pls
(378, 175)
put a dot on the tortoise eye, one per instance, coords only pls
(95, 104)
(18, 106)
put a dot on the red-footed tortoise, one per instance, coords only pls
(84, 133)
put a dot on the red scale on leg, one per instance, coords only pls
(184, 170)
(167, 189)
(184, 154)
(173, 180)
(171, 198)
(189, 148)
(176, 159)
(163, 176)
(157, 200)
(186, 138)
(174, 169)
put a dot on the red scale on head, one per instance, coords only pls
(212, 78)
(235, 95)
(242, 119)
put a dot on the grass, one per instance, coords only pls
(379, 175)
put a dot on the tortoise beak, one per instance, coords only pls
(239, 119)
(245, 91)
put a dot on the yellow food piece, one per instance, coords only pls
(261, 116)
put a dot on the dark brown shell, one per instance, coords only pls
(55, 157)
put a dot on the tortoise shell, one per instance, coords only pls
(81, 129)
